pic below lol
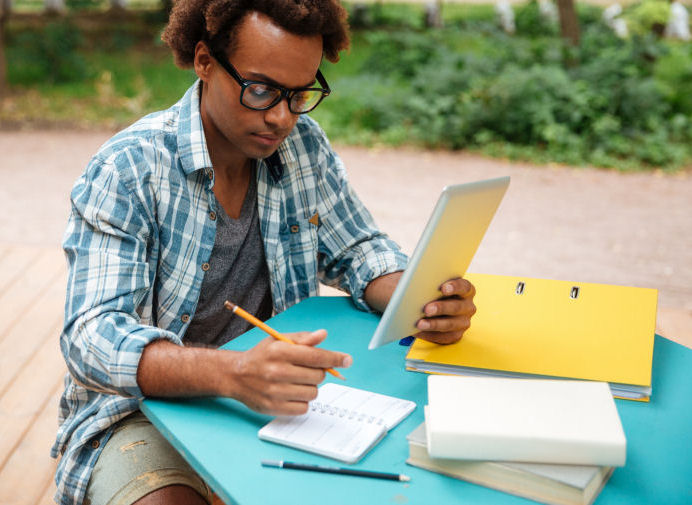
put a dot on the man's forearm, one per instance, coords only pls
(167, 369)
(379, 290)
(273, 377)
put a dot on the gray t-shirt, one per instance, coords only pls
(237, 272)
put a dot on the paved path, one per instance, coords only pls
(555, 222)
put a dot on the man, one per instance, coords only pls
(233, 193)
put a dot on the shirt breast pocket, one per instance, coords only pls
(300, 237)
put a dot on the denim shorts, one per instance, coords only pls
(136, 461)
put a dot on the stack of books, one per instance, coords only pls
(551, 484)
(553, 441)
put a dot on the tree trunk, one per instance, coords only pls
(569, 24)
(433, 14)
(54, 6)
(4, 15)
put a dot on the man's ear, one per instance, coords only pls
(203, 63)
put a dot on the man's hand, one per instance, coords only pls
(278, 378)
(447, 318)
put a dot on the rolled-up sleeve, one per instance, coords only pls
(110, 277)
(352, 249)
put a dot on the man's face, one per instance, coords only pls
(264, 52)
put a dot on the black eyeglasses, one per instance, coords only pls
(258, 95)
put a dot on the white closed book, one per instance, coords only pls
(528, 420)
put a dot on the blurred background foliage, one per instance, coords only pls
(608, 102)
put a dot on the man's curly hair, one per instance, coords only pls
(213, 21)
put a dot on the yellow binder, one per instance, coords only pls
(549, 328)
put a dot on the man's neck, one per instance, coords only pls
(226, 161)
(230, 188)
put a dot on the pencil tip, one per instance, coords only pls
(229, 305)
(404, 478)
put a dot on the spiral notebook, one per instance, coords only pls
(343, 423)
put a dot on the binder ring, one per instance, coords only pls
(574, 293)
(520, 288)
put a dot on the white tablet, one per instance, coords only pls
(444, 252)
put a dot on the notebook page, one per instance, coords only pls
(365, 405)
(328, 435)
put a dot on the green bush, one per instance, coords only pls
(647, 16)
(399, 54)
(529, 21)
(376, 15)
(83, 4)
(673, 72)
(609, 102)
(47, 56)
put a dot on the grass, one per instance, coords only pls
(120, 89)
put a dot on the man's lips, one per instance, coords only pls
(267, 138)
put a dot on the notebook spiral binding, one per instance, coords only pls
(324, 408)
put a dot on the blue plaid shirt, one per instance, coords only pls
(141, 227)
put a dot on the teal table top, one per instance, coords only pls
(218, 436)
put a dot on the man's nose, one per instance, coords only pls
(280, 115)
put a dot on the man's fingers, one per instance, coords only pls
(308, 338)
(280, 405)
(450, 307)
(306, 355)
(444, 324)
(289, 373)
(313, 357)
(295, 392)
(438, 337)
(458, 287)
(288, 408)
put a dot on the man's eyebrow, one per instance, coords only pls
(269, 80)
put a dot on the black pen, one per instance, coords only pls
(337, 470)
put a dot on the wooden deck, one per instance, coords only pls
(32, 292)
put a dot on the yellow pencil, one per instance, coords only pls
(278, 336)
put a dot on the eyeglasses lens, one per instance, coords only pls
(262, 96)
(304, 101)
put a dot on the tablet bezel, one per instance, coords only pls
(478, 201)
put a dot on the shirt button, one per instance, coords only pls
(210, 174)
(295, 228)
(212, 215)
(185, 318)
(95, 444)
(205, 266)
